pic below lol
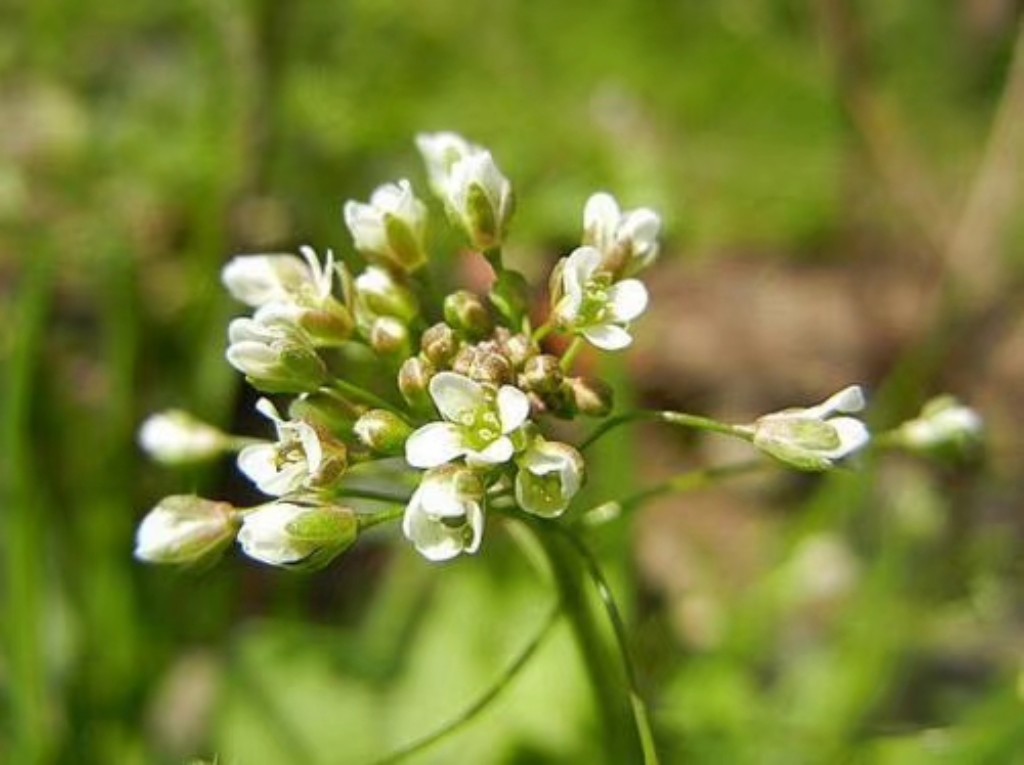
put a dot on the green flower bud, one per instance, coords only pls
(390, 229)
(298, 536)
(590, 397)
(185, 530)
(377, 293)
(440, 345)
(550, 474)
(324, 411)
(543, 374)
(329, 325)
(467, 313)
(383, 432)
(414, 383)
(389, 337)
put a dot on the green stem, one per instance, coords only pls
(543, 331)
(355, 492)
(691, 481)
(493, 256)
(604, 663)
(569, 357)
(385, 516)
(469, 713)
(672, 418)
(361, 394)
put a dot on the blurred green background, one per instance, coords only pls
(841, 189)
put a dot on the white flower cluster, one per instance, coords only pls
(465, 401)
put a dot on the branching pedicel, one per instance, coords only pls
(468, 408)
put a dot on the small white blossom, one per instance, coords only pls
(274, 354)
(302, 458)
(391, 228)
(440, 152)
(478, 421)
(297, 536)
(627, 241)
(444, 516)
(943, 421)
(260, 279)
(378, 294)
(550, 474)
(589, 301)
(185, 529)
(467, 179)
(811, 438)
(175, 437)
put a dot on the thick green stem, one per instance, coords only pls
(350, 391)
(569, 358)
(598, 649)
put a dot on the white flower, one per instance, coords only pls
(260, 279)
(444, 516)
(185, 529)
(274, 354)
(391, 227)
(478, 423)
(550, 474)
(175, 436)
(589, 301)
(811, 438)
(465, 177)
(297, 536)
(301, 458)
(440, 152)
(943, 421)
(628, 241)
(481, 198)
(378, 294)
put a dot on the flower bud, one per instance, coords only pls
(440, 152)
(550, 474)
(812, 439)
(943, 425)
(414, 383)
(543, 374)
(484, 364)
(325, 324)
(298, 536)
(177, 437)
(379, 294)
(275, 358)
(185, 529)
(383, 432)
(480, 198)
(440, 345)
(324, 411)
(467, 313)
(390, 337)
(391, 228)
(627, 241)
(590, 397)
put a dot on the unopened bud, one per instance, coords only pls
(177, 437)
(298, 536)
(389, 337)
(390, 229)
(484, 365)
(331, 324)
(414, 383)
(185, 529)
(379, 294)
(517, 349)
(274, 358)
(440, 345)
(591, 397)
(323, 411)
(944, 426)
(543, 374)
(383, 432)
(466, 312)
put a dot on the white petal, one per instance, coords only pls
(627, 299)
(259, 279)
(513, 408)
(848, 400)
(600, 220)
(608, 337)
(853, 435)
(311, 446)
(641, 227)
(433, 539)
(579, 268)
(475, 518)
(494, 453)
(434, 444)
(457, 397)
(266, 407)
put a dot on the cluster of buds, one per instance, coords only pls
(462, 405)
